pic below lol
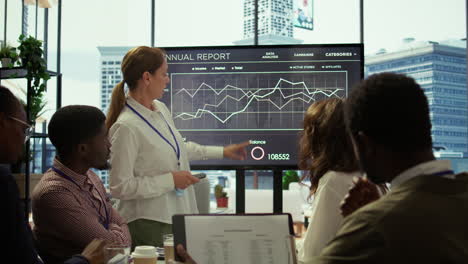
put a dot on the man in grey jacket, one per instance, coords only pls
(423, 218)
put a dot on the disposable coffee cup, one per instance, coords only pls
(145, 255)
(168, 248)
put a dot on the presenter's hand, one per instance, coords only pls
(183, 179)
(184, 255)
(361, 193)
(236, 151)
(94, 251)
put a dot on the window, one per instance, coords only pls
(433, 51)
(198, 23)
(423, 39)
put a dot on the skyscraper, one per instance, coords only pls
(440, 69)
(109, 62)
(275, 22)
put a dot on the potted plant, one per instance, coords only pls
(8, 55)
(221, 196)
(288, 177)
(31, 56)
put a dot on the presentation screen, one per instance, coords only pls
(225, 95)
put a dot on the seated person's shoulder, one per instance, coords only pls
(4, 170)
(378, 210)
(8, 186)
(391, 207)
(5, 176)
(463, 176)
(49, 183)
(356, 238)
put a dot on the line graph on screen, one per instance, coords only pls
(250, 101)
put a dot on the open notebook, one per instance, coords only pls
(249, 238)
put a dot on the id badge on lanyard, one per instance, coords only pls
(176, 148)
(66, 177)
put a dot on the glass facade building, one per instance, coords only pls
(110, 76)
(440, 69)
(91, 50)
(275, 22)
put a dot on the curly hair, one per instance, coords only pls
(324, 142)
(392, 109)
(72, 125)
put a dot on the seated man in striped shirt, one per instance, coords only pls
(70, 206)
(14, 229)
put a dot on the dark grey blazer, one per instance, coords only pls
(423, 220)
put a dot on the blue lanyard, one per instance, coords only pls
(442, 173)
(176, 148)
(106, 223)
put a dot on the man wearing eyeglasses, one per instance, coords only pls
(28, 129)
(14, 230)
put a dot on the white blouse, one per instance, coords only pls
(325, 219)
(142, 163)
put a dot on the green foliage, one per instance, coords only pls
(8, 52)
(288, 177)
(218, 190)
(31, 55)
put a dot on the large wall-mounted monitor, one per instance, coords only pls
(224, 95)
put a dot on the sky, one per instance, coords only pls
(88, 24)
